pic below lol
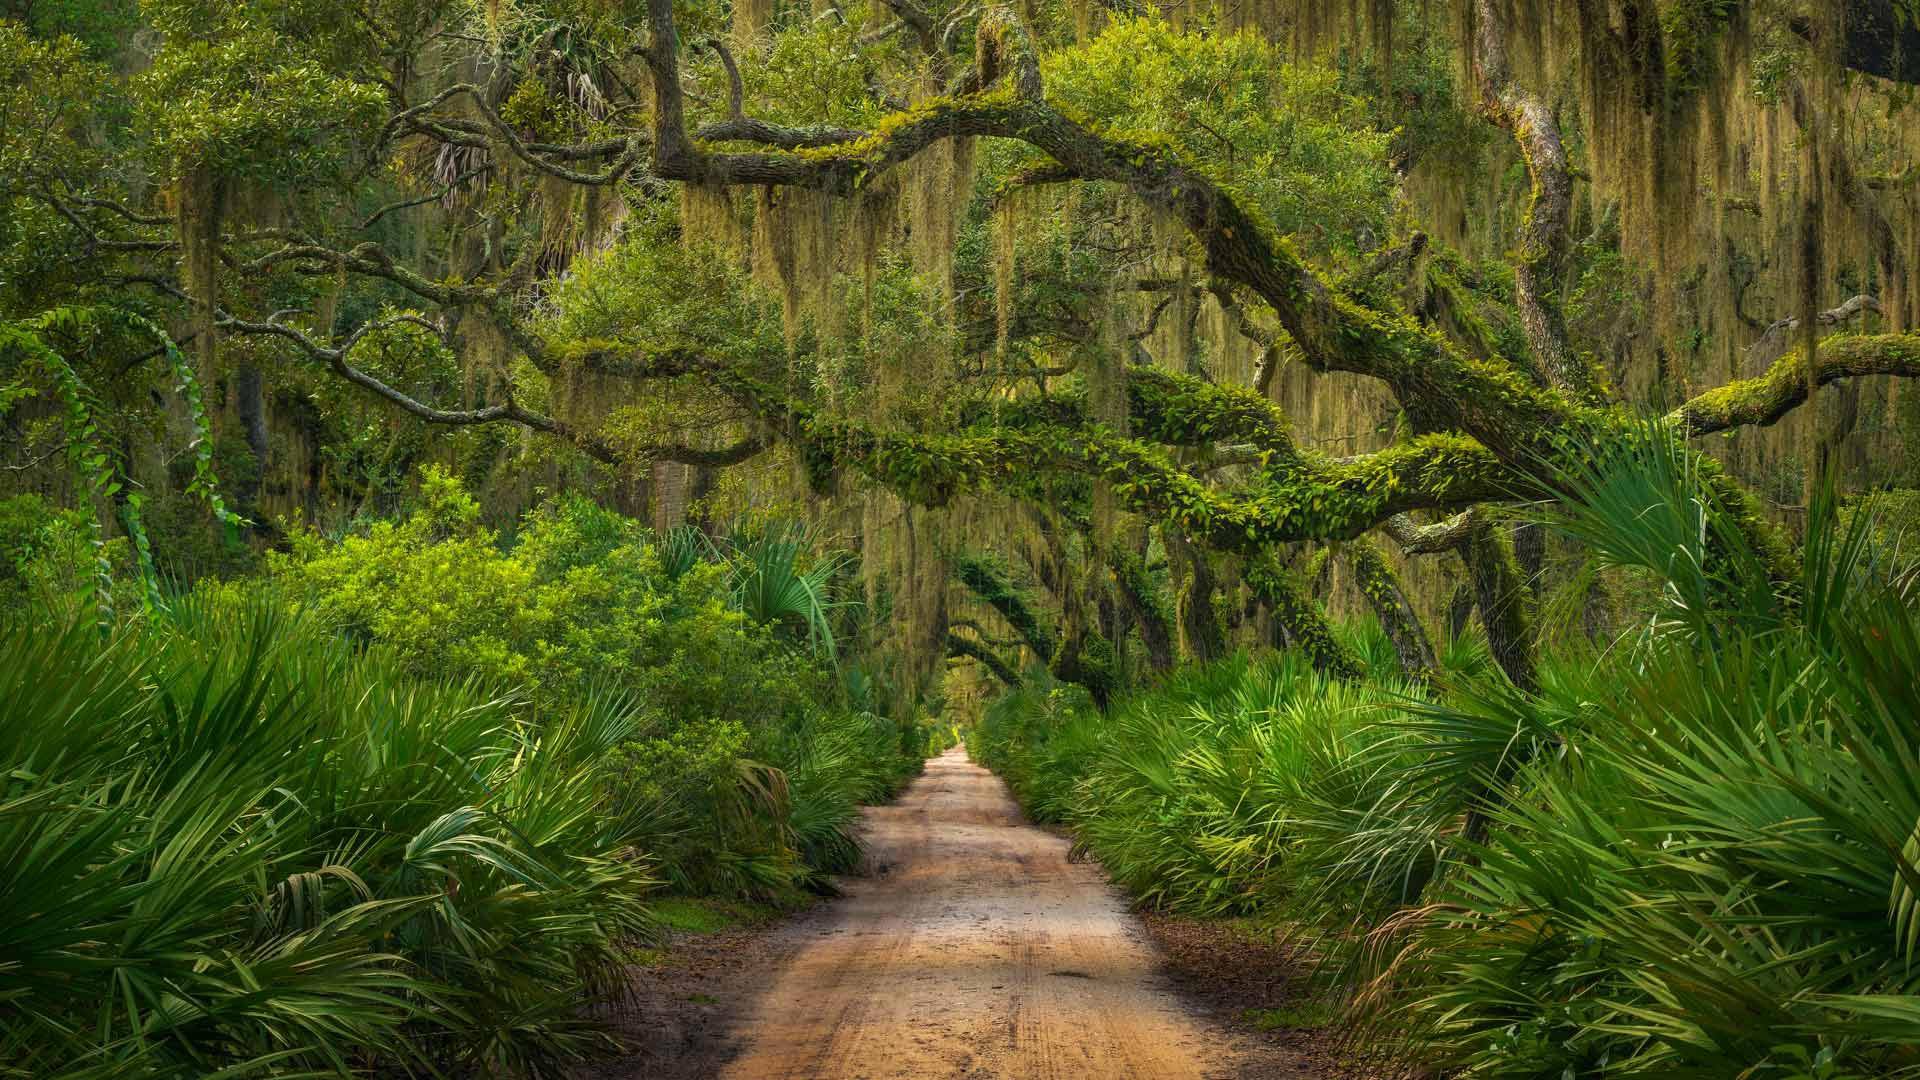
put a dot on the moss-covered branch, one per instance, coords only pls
(990, 582)
(1541, 257)
(1164, 407)
(1284, 502)
(1417, 539)
(1442, 388)
(1381, 586)
(1301, 619)
(1766, 398)
(960, 645)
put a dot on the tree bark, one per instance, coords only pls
(1381, 586)
(1500, 592)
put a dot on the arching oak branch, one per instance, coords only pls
(1766, 398)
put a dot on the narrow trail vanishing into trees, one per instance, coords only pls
(974, 949)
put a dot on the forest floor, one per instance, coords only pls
(973, 948)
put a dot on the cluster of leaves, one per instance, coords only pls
(238, 846)
(1691, 857)
(48, 93)
(1300, 151)
(47, 553)
(816, 71)
(650, 295)
(747, 759)
(238, 106)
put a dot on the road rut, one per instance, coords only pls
(974, 949)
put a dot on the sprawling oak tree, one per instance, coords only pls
(1108, 278)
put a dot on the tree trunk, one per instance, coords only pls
(1505, 606)
(1381, 586)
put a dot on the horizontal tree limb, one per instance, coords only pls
(1766, 398)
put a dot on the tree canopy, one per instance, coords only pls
(1110, 330)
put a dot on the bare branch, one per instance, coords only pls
(1416, 539)
(1545, 243)
(1773, 342)
(456, 184)
(628, 148)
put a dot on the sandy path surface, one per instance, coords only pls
(975, 950)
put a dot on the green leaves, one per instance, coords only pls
(248, 104)
(1302, 153)
(777, 582)
(24, 348)
(238, 847)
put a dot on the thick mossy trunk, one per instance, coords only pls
(1506, 606)
(1381, 586)
(1199, 621)
(1147, 603)
(1087, 659)
(250, 405)
(1301, 620)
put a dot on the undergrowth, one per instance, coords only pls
(412, 801)
(1694, 856)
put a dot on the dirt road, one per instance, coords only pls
(975, 949)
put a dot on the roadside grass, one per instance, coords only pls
(1305, 1016)
(701, 915)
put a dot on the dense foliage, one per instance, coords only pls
(750, 755)
(236, 843)
(681, 402)
(1691, 857)
(401, 801)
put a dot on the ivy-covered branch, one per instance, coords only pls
(1148, 604)
(1381, 586)
(25, 346)
(1286, 501)
(1301, 619)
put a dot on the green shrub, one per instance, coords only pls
(237, 846)
(749, 766)
(1213, 793)
(47, 557)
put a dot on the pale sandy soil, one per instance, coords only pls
(972, 949)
